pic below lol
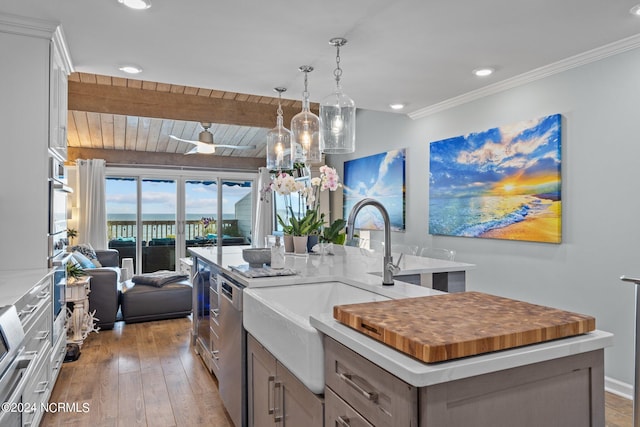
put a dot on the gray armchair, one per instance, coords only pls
(103, 297)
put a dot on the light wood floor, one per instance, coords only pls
(143, 374)
(147, 374)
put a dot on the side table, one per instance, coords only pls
(81, 322)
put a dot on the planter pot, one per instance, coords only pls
(300, 244)
(312, 240)
(288, 243)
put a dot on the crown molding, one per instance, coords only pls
(25, 26)
(584, 58)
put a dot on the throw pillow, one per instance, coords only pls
(86, 250)
(82, 260)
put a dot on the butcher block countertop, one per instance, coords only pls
(450, 326)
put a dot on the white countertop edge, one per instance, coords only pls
(421, 374)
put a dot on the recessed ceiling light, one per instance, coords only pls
(635, 10)
(396, 106)
(130, 69)
(483, 72)
(136, 4)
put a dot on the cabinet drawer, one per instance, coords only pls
(383, 399)
(31, 304)
(39, 332)
(215, 343)
(37, 392)
(57, 357)
(214, 310)
(339, 414)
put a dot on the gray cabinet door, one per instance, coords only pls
(261, 376)
(296, 404)
(275, 396)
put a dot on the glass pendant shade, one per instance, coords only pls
(279, 152)
(338, 123)
(305, 130)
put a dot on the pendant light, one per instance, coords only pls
(305, 129)
(338, 114)
(279, 152)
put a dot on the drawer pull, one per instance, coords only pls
(348, 378)
(45, 384)
(278, 391)
(270, 393)
(43, 336)
(343, 421)
(215, 353)
(29, 310)
(215, 312)
(44, 295)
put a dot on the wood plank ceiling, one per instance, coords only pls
(128, 122)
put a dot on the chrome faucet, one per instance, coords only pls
(388, 269)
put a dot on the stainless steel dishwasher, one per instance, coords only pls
(232, 382)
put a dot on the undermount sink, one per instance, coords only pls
(278, 317)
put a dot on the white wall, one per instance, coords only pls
(600, 107)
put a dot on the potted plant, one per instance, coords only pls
(74, 272)
(332, 234)
(303, 227)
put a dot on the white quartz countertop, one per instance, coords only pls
(15, 283)
(347, 263)
(355, 266)
(421, 374)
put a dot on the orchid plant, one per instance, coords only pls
(285, 184)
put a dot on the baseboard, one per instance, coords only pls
(618, 387)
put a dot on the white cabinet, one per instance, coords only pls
(30, 50)
(275, 396)
(34, 310)
(58, 102)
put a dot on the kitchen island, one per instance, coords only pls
(559, 382)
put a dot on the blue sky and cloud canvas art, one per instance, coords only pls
(381, 177)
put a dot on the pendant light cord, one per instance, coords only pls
(338, 71)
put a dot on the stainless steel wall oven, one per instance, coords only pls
(58, 195)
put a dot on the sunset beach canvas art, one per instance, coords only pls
(381, 177)
(503, 183)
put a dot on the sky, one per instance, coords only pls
(522, 158)
(159, 197)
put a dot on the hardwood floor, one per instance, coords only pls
(618, 411)
(147, 374)
(143, 374)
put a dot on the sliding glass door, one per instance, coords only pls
(159, 209)
(155, 219)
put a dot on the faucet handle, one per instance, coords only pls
(394, 268)
(397, 264)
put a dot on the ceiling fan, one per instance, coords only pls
(205, 145)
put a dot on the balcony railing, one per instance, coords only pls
(158, 247)
(167, 229)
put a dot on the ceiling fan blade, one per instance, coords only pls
(237, 147)
(184, 140)
(194, 150)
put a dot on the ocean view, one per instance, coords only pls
(162, 217)
(474, 216)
